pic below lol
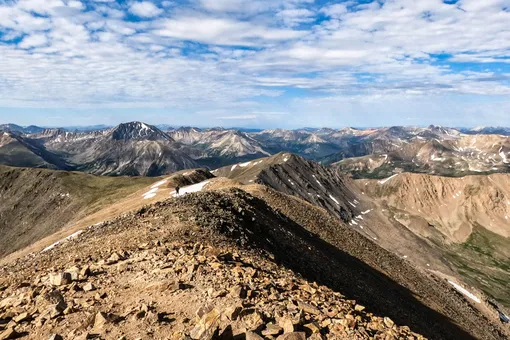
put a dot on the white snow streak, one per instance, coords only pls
(150, 194)
(70, 237)
(158, 184)
(465, 292)
(334, 199)
(387, 179)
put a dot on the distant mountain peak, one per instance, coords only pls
(136, 131)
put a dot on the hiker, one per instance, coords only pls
(177, 189)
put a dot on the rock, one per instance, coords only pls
(292, 336)
(9, 333)
(74, 272)
(359, 308)
(55, 337)
(253, 336)
(7, 303)
(60, 279)
(22, 317)
(114, 258)
(208, 326)
(233, 313)
(100, 320)
(312, 327)
(85, 271)
(287, 325)
(388, 322)
(310, 309)
(253, 321)
(51, 304)
(272, 329)
(89, 287)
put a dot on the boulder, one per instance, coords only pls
(60, 279)
(253, 336)
(208, 326)
(89, 287)
(9, 333)
(292, 336)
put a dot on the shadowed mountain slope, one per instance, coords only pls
(246, 225)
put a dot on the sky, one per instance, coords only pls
(255, 63)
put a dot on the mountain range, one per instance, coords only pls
(382, 233)
(140, 149)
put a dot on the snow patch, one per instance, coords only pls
(150, 194)
(158, 184)
(70, 237)
(244, 165)
(192, 188)
(233, 167)
(387, 179)
(465, 292)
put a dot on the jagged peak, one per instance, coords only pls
(137, 130)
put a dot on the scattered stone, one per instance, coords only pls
(292, 336)
(22, 317)
(287, 325)
(9, 333)
(85, 272)
(359, 308)
(253, 336)
(308, 308)
(208, 326)
(233, 313)
(312, 327)
(100, 320)
(60, 279)
(272, 329)
(55, 337)
(388, 322)
(89, 287)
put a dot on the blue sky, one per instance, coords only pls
(259, 63)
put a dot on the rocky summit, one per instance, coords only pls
(216, 265)
(154, 282)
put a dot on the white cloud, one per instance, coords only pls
(33, 41)
(145, 9)
(222, 31)
(223, 55)
(76, 4)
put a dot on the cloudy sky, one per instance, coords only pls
(260, 63)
